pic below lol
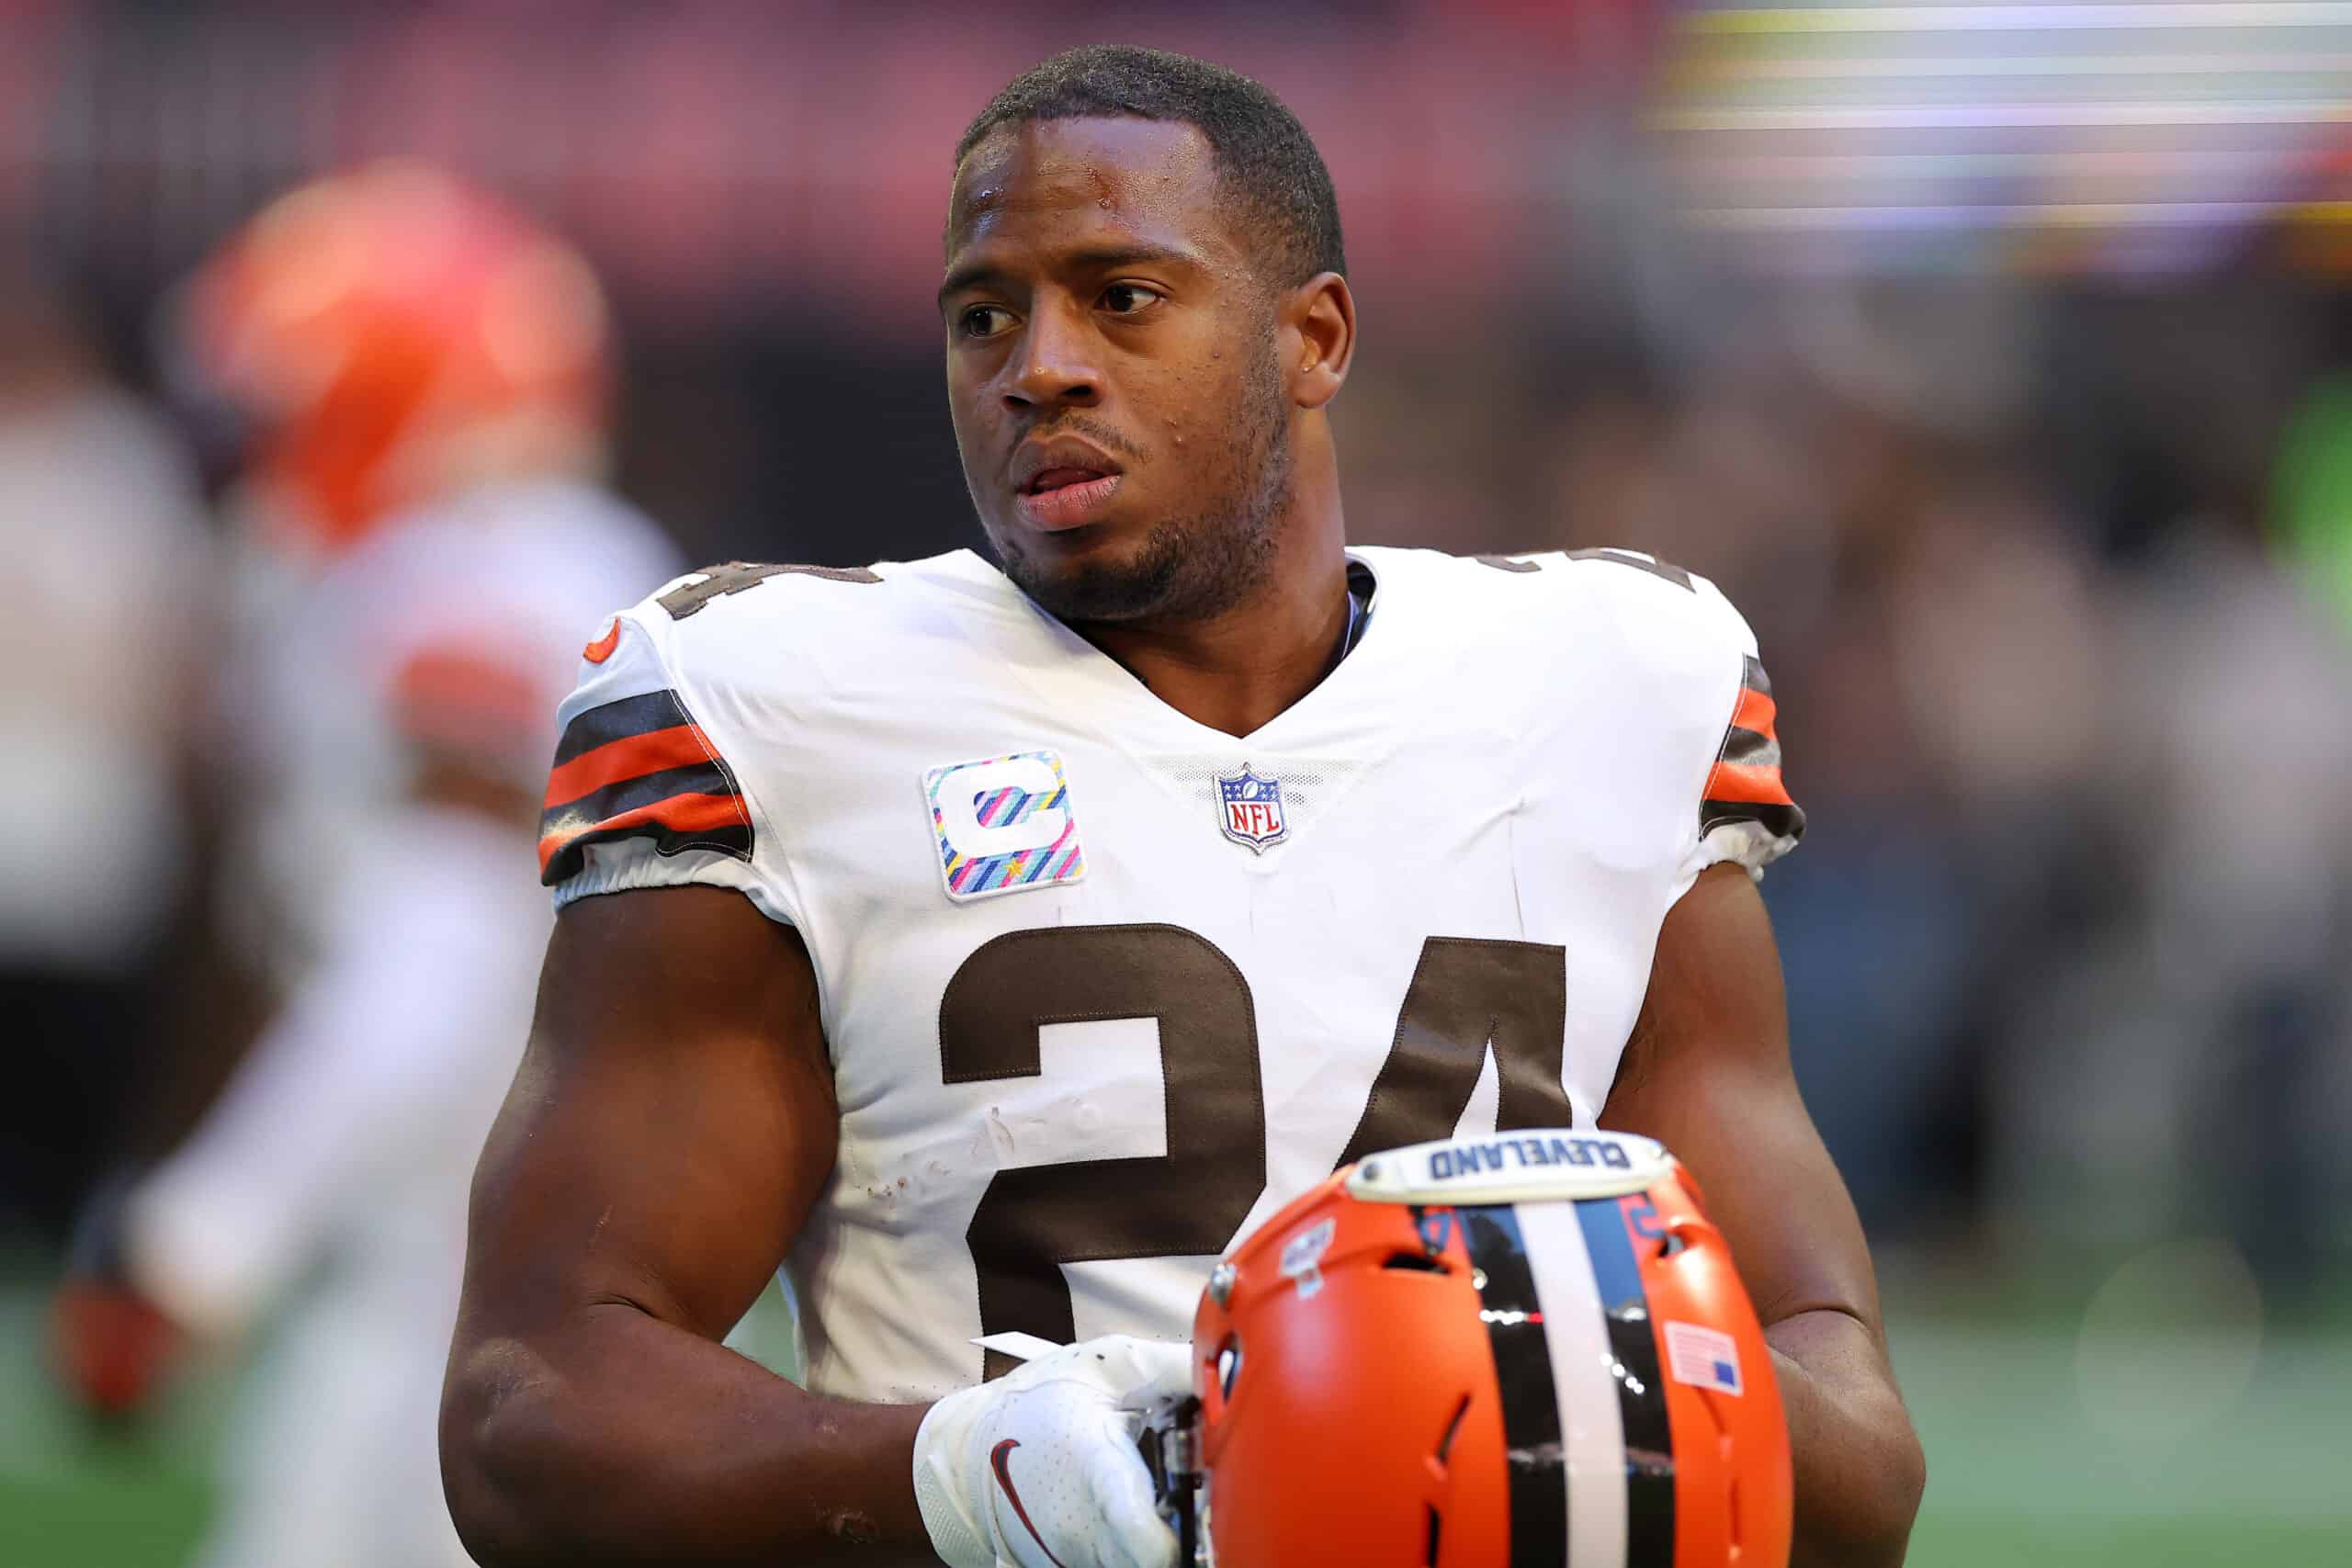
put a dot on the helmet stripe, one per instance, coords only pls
(1641, 1392)
(1514, 1317)
(1581, 1360)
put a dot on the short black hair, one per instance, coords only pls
(1264, 157)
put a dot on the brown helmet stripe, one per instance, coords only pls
(1514, 1313)
(1641, 1393)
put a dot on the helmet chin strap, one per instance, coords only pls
(1170, 1445)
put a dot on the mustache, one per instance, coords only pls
(1102, 435)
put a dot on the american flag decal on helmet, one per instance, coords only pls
(1702, 1357)
(1746, 783)
(639, 768)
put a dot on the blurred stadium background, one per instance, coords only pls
(1995, 358)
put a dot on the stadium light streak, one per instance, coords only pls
(1956, 215)
(1981, 116)
(1767, 20)
(1816, 68)
(2067, 161)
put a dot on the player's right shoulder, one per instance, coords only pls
(690, 705)
(724, 636)
(707, 615)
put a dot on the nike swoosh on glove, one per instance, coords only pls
(1039, 1468)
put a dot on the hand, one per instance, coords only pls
(110, 1344)
(113, 1347)
(1039, 1469)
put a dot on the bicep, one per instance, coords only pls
(670, 1124)
(1707, 1074)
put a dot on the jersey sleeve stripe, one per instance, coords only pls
(1748, 749)
(639, 768)
(681, 822)
(634, 756)
(1746, 786)
(619, 798)
(1781, 821)
(1756, 710)
(1737, 784)
(601, 725)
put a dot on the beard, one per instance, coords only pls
(1200, 564)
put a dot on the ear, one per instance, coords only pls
(1320, 316)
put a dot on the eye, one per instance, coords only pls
(983, 320)
(1130, 299)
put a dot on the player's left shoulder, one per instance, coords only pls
(1626, 610)
(1655, 657)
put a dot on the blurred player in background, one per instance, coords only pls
(107, 567)
(425, 543)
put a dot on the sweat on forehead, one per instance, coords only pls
(1138, 171)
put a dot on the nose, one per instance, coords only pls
(1055, 367)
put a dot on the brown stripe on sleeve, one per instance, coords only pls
(1746, 783)
(639, 768)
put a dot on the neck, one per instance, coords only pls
(1236, 670)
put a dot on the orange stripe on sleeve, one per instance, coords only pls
(1755, 711)
(1747, 784)
(631, 756)
(679, 814)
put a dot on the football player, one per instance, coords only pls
(990, 943)
(422, 371)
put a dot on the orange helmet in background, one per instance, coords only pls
(1529, 1349)
(391, 335)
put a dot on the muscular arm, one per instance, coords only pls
(1707, 1074)
(672, 1122)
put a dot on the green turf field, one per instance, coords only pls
(2250, 1470)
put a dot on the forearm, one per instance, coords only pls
(1859, 1466)
(619, 1440)
(379, 1054)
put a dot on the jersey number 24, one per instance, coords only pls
(1464, 996)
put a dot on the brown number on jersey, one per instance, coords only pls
(1190, 1200)
(737, 575)
(1466, 994)
(1637, 559)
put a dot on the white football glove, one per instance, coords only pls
(1039, 1468)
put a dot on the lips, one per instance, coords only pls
(1072, 498)
(1062, 479)
(1062, 482)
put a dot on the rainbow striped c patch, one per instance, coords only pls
(1003, 825)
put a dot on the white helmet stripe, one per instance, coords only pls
(1641, 1387)
(1591, 1426)
(1513, 1312)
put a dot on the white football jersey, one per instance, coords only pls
(1103, 987)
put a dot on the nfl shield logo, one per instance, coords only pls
(1249, 809)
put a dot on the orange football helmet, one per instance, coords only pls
(392, 334)
(1529, 1349)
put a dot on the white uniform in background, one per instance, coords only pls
(1103, 987)
(339, 1157)
(107, 566)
